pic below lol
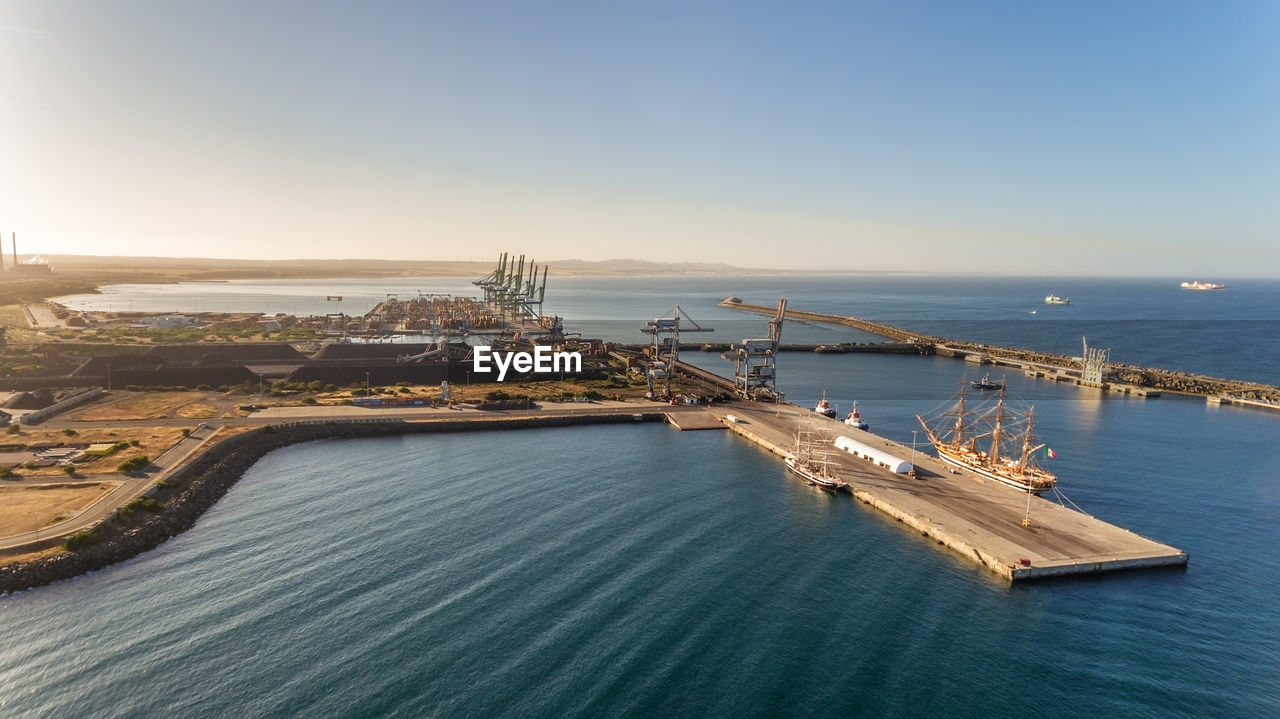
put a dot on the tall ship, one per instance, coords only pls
(812, 459)
(991, 442)
(1197, 285)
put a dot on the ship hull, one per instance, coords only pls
(816, 480)
(978, 469)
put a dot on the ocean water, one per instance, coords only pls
(1234, 333)
(640, 571)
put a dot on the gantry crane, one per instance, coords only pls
(754, 372)
(664, 347)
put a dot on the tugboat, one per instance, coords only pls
(824, 408)
(855, 419)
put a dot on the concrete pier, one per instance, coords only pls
(686, 421)
(977, 518)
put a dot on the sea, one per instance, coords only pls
(634, 570)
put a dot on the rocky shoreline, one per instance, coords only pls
(182, 498)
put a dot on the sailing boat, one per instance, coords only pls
(812, 459)
(1007, 454)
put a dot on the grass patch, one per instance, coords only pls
(198, 410)
(81, 539)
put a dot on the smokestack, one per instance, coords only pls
(1, 257)
(15, 250)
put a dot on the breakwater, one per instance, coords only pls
(1125, 374)
(190, 491)
(828, 348)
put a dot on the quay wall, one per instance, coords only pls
(195, 487)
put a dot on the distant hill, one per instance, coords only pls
(647, 267)
(193, 268)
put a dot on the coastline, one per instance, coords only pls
(204, 479)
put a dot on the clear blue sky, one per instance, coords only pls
(1025, 137)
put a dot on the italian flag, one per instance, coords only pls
(1050, 453)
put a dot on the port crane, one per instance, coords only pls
(507, 288)
(664, 346)
(755, 375)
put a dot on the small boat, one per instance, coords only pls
(1197, 285)
(986, 383)
(855, 419)
(824, 408)
(1056, 300)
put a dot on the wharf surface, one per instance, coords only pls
(977, 518)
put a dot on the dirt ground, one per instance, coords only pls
(152, 441)
(13, 315)
(142, 405)
(197, 410)
(23, 509)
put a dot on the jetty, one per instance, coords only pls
(977, 518)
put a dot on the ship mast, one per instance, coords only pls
(1026, 443)
(958, 439)
(994, 454)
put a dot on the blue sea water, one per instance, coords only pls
(639, 571)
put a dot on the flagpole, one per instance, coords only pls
(1026, 518)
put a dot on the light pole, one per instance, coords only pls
(259, 386)
(366, 384)
(913, 451)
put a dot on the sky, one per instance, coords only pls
(1111, 138)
